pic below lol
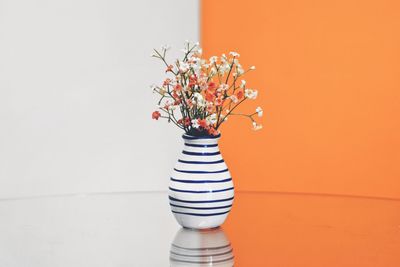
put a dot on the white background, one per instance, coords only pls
(75, 103)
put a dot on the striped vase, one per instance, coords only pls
(201, 189)
(201, 248)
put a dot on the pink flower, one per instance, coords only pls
(187, 122)
(239, 94)
(212, 86)
(219, 101)
(155, 115)
(167, 82)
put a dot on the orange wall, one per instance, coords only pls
(328, 73)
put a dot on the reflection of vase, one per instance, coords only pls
(201, 189)
(201, 248)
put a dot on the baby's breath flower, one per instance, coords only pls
(183, 67)
(165, 47)
(199, 93)
(259, 111)
(213, 59)
(195, 123)
(250, 94)
(212, 119)
(256, 126)
(213, 71)
(253, 67)
(234, 98)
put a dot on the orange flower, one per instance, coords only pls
(203, 123)
(178, 87)
(212, 131)
(155, 115)
(210, 97)
(169, 68)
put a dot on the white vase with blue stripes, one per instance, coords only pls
(201, 190)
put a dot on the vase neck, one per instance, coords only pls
(201, 140)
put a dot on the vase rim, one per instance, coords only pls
(192, 137)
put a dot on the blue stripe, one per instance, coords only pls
(200, 192)
(201, 208)
(200, 153)
(200, 201)
(190, 137)
(200, 162)
(195, 145)
(185, 171)
(196, 214)
(200, 181)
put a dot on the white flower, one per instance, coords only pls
(165, 47)
(234, 54)
(234, 98)
(253, 67)
(256, 126)
(243, 83)
(199, 100)
(213, 59)
(183, 67)
(195, 123)
(212, 119)
(251, 94)
(223, 58)
(213, 71)
(223, 87)
(259, 111)
(239, 70)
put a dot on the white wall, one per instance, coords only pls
(75, 103)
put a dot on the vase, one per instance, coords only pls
(201, 248)
(201, 190)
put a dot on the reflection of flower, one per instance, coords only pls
(200, 94)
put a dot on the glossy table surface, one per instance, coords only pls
(137, 229)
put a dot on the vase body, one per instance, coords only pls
(201, 190)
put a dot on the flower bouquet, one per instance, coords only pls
(198, 96)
